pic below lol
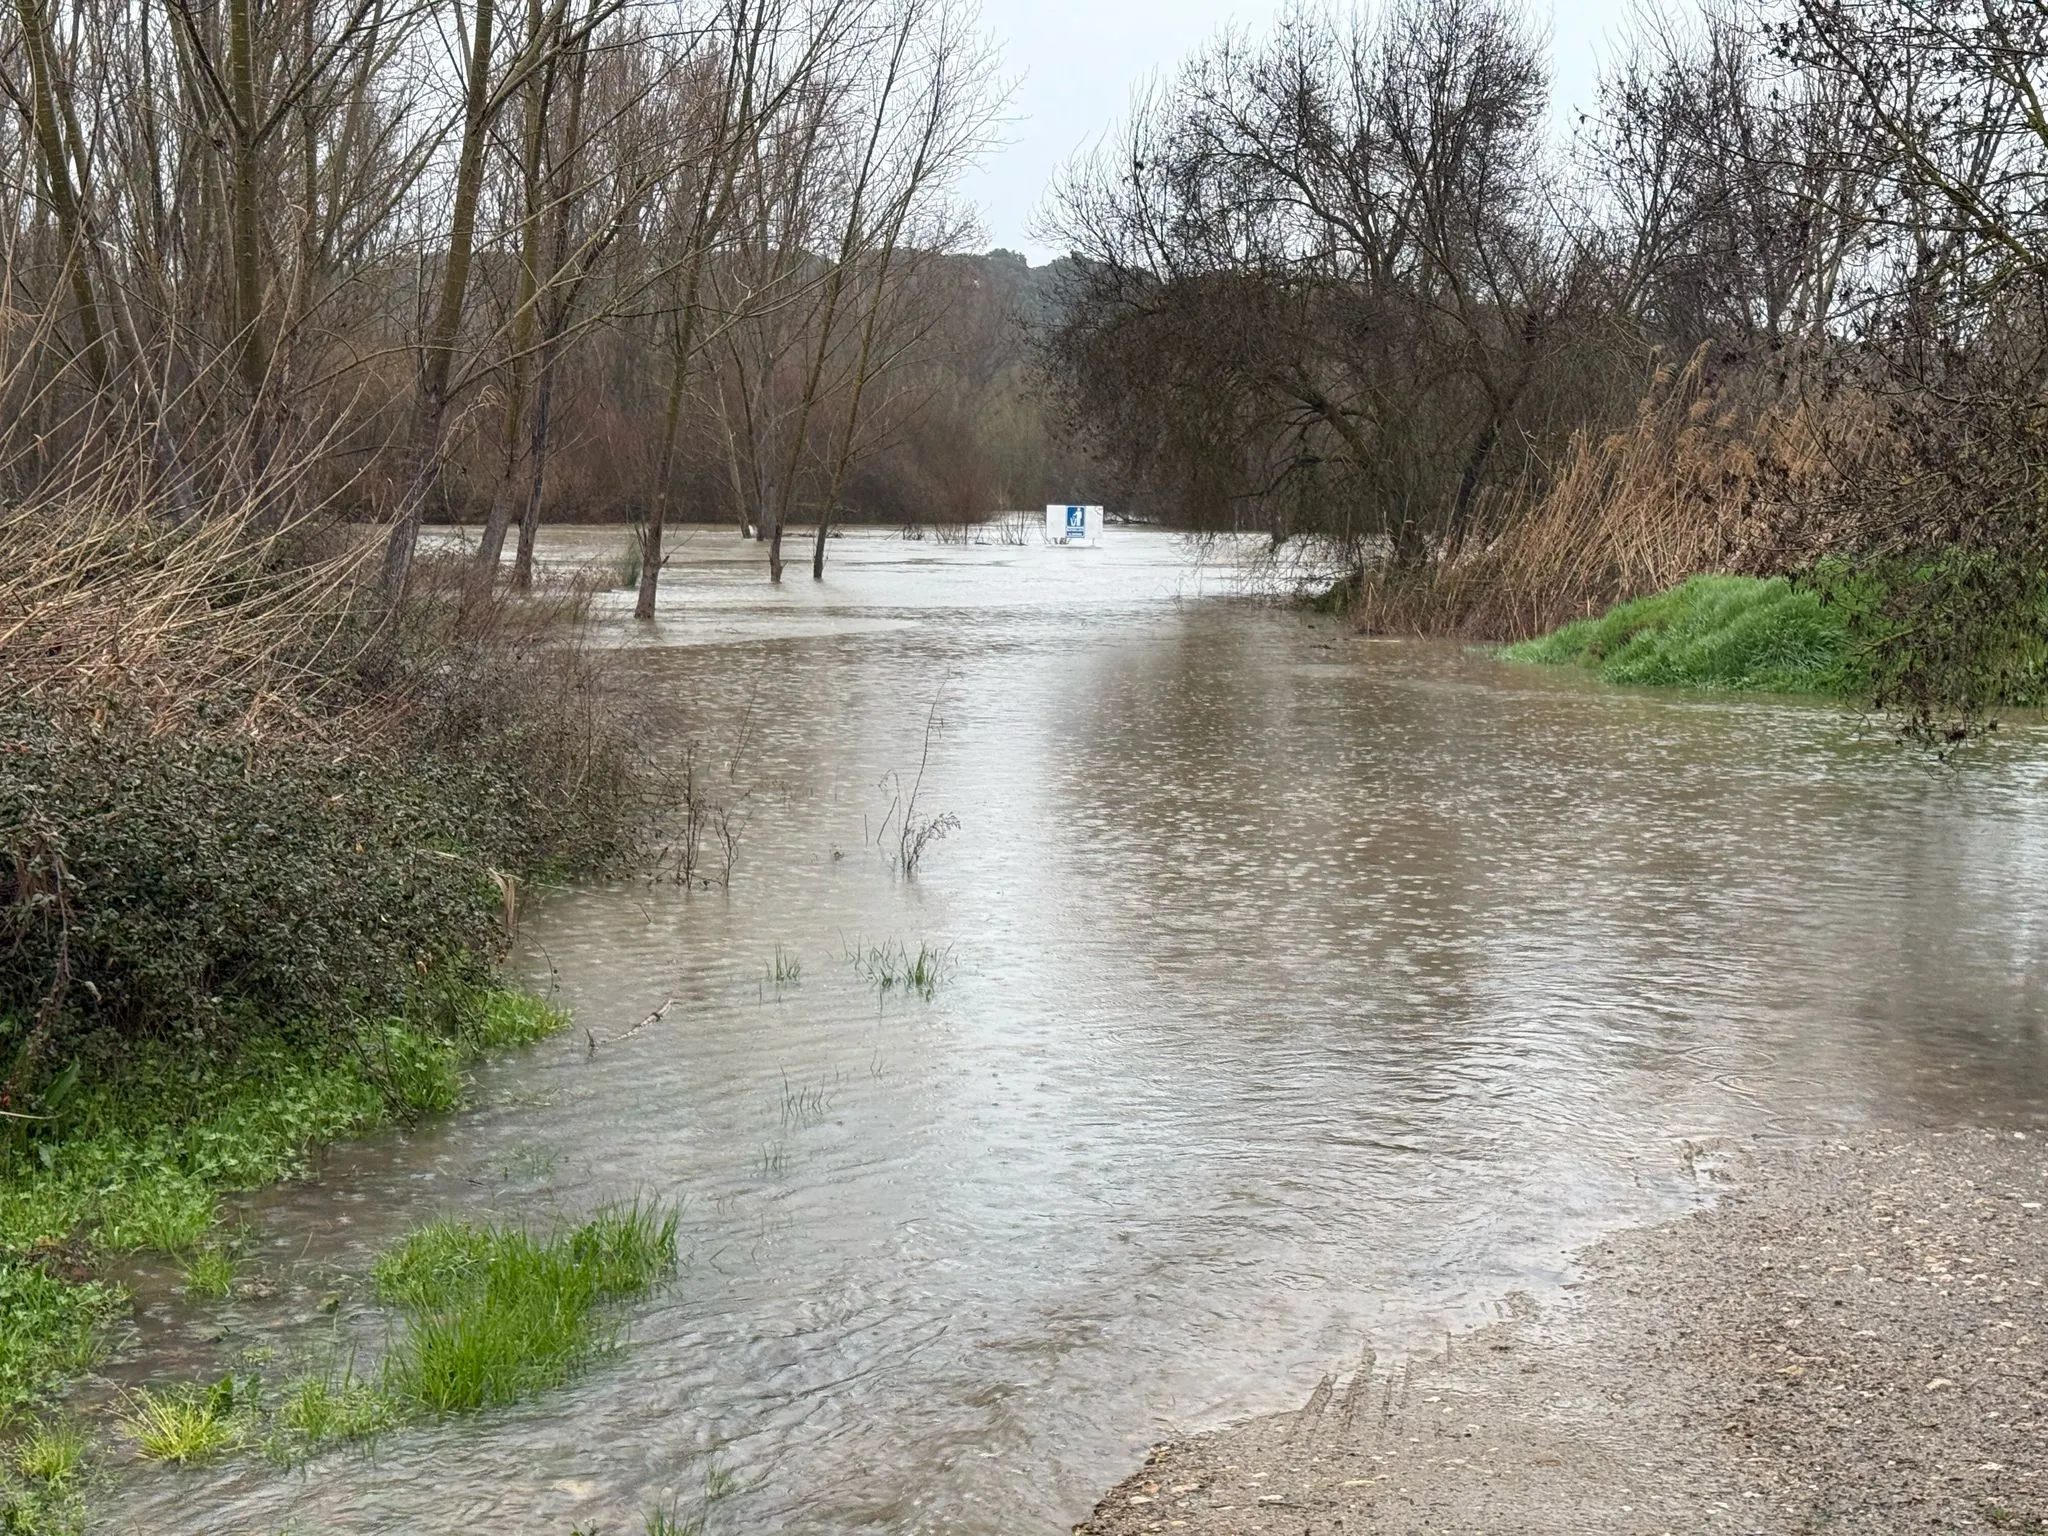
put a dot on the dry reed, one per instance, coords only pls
(1694, 484)
(252, 612)
(107, 601)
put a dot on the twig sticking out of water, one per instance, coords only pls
(914, 833)
(653, 1018)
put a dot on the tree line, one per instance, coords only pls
(394, 259)
(1777, 301)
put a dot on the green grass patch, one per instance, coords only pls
(49, 1328)
(328, 1407)
(1714, 632)
(487, 1315)
(210, 1274)
(139, 1156)
(41, 1490)
(184, 1425)
(495, 1314)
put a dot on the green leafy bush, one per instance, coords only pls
(164, 885)
(1940, 643)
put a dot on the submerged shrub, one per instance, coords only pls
(1942, 642)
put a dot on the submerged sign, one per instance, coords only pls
(1073, 525)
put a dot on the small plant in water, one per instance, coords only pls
(53, 1453)
(890, 966)
(720, 1481)
(185, 1424)
(326, 1407)
(772, 1163)
(531, 1164)
(915, 829)
(787, 971)
(626, 563)
(802, 1107)
(669, 1521)
(210, 1273)
(927, 970)
(46, 1499)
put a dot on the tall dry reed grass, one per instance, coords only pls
(223, 612)
(224, 615)
(1695, 483)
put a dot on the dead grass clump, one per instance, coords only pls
(1696, 483)
(206, 616)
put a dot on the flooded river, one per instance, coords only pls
(1301, 992)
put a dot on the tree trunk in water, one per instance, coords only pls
(818, 547)
(490, 549)
(529, 520)
(650, 535)
(650, 565)
(422, 463)
(775, 551)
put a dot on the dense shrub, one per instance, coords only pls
(238, 792)
(1942, 642)
(177, 884)
(158, 885)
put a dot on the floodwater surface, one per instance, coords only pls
(1300, 993)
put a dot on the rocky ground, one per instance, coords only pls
(1854, 1339)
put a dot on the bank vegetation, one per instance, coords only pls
(1777, 307)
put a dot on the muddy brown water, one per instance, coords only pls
(1303, 992)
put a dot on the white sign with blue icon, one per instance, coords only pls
(1073, 525)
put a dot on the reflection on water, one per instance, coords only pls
(1306, 991)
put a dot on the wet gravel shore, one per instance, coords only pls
(1854, 1339)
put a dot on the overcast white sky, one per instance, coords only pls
(1079, 60)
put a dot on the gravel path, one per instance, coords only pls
(1854, 1339)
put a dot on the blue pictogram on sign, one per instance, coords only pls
(1077, 522)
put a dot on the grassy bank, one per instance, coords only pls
(138, 1156)
(144, 1153)
(1716, 632)
(263, 833)
(485, 1315)
(1940, 646)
